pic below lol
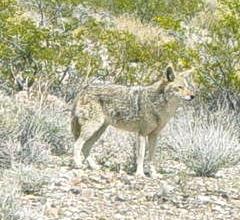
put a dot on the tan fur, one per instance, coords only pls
(144, 110)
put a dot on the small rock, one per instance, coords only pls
(120, 198)
(126, 179)
(203, 199)
(75, 191)
(52, 212)
(118, 216)
(88, 193)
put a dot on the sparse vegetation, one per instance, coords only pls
(16, 183)
(31, 130)
(9, 200)
(206, 141)
(32, 180)
(50, 50)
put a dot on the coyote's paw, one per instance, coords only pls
(155, 175)
(140, 175)
(92, 164)
(77, 165)
(152, 172)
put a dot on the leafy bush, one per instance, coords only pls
(123, 58)
(215, 38)
(206, 141)
(147, 10)
(59, 41)
(31, 51)
(52, 42)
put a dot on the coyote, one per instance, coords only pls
(141, 109)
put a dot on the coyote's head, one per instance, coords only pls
(180, 85)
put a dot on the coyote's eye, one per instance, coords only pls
(180, 87)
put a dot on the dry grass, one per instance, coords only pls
(32, 129)
(144, 32)
(14, 185)
(206, 141)
(9, 198)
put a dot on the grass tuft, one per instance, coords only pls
(206, 141)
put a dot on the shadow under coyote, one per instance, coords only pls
(141, 109)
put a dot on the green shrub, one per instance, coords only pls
(54, 44)
(148, 10)
(218, 48)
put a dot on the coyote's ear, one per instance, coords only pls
(170, 73)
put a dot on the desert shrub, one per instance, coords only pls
(8, 125)
(52, 42)
(44, 125)
(124, 58)
(13, 184)
(5, 156)
(32, 132)
(213, 47)
(10, 193)
(115, 150)
(206, 141)
(147, 10)
(214, 35)
(221, 99)
(30, 51)
(32, 180)
(8, 204)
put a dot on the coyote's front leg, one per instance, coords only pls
(152, 143)
(141, 145)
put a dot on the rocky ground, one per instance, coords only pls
(176, 194)
(54, 190)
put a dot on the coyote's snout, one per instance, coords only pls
(144, 110)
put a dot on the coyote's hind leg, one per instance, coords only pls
(91, 131)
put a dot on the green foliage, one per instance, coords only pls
(137, 62)
(167, 22)
(28, 50)
(115, 6)
(45, 41)
(175, 10)
(220, 68)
